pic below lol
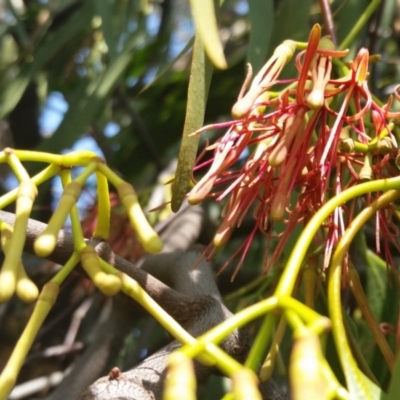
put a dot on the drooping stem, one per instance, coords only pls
(354, 378)
(362, 20)
(292, 268)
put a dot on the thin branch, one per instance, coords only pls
(172, 301)
(328, 20)
(196, 304)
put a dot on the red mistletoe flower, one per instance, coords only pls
(304, 146)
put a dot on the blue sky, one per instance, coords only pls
(55, 107)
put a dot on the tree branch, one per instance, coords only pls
(192, 299)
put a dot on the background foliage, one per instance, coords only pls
(112, 76)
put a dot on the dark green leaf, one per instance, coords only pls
(169, 66)
(14, 88)
(83, 110)
(394, 389)
(200, 78)
(106, 10)
(261, 14)
(291, 22)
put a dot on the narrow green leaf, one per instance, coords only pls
(189, 44)
(206, 26)
(77, 101)
(291, 21)
(12, 91)
(199, 82)
(382, 294)
(83, 111)
(383, 299)
(394, 388)
(261, 15)
(106, 9)
(20, 29)
(350, 22)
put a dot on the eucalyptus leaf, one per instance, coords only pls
(383, 299)
(207, 29)
(394, 389)
(106, 10)
(14, 88)
(199, 83)
(261, 15)
(20, 28)
(169, 66)
(82, 111)
(291, 22)
(345, 19)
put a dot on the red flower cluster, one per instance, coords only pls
(305, 144)
(123, 238)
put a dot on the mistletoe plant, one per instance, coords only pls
(13, 278)
(318, 150)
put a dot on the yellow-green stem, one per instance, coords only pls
(45, 243)
(66, 269)
(242, 291)
(269, 363)
(361, 22)
(102, 229)
(355, 380)
(110, 175)
(79, 239)
(290, 273)
(17, 167)
(85, 174)
(73, 159)
(9, 374)
(9, 274)
(218, 333)
(259, 347)
(38, 179)
(180, 382)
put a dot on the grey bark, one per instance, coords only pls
(190, 296)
